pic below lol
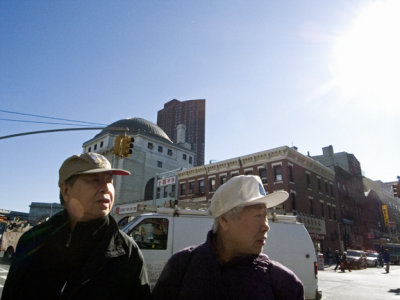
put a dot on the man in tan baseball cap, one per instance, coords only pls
(79, 253)
(230, 264)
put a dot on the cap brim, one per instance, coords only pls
(113, 171)
(271, 200)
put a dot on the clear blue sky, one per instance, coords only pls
(302, 73)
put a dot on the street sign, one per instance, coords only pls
(166, 181)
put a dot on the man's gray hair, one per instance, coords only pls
(233, 213)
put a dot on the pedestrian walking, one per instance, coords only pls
(337, 259)
(386, 259)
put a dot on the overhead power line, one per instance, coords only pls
(46, 117)
(121, 129)
(38, 122)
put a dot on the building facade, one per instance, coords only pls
(191, 113)
(385, 192)
(40, 211)
(309, 184)
(350, 194)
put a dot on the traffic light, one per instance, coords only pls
(127, 146)
(117, 145)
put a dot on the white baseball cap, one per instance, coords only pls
(243, 190)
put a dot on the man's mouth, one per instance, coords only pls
(104, 202)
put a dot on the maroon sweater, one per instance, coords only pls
(195, 273)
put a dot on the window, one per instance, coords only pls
(248, 172)
(95, 147)
(322, 209)
(160, 149)
(310, 201)
(165, 194)
(191, 187)
(278, 173)
(293, 200)
(101, 144)
(233, 174)
(183, 189)
(150, 146)
(159, 164)
(331, 189)
(201, 186)
(262, 172)
(329, 211)
(211, 182)
(222, 179)
(90, 149)
(308, 180)
(173, 188)
(291, 173)
(184, 156)
(151, 233)
(319, 184)
(326, 188)
(158, 193)
(190, 160)
(169, 152)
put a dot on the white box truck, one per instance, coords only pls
(161, 234)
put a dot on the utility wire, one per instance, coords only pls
(120, 129)
(53, 118)
(26, 121)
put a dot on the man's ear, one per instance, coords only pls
(223, 223)
(64, 190)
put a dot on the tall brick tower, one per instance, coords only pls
(191, 113)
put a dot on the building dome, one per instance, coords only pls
(135, 126)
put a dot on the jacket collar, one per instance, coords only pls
(113, 242)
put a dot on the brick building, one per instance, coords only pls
(350, 194)
(309, 184)
(191, 113)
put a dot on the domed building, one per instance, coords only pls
(153, 153)
(135, 125)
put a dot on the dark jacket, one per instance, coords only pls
(195, 273)
(95, 261)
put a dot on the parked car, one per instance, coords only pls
(372, 259)
(356, 259)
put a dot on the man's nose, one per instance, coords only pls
(265, 226)
(104, 185)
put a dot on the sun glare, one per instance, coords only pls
(367, 57)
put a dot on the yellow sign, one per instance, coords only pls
(385, 215)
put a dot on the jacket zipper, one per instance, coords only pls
(68, 243)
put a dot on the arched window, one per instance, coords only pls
(149, 190)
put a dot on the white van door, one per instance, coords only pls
(153, 234)
(291, 245)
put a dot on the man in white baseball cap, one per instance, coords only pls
(230, 264)
(79, 253)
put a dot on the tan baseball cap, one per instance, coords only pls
(243, 190)
(86, 163)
